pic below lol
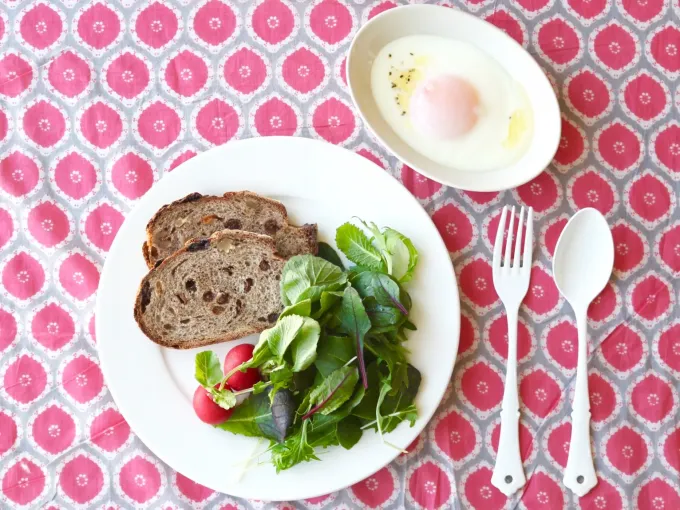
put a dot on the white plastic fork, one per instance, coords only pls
(511, 280)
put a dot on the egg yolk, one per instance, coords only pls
(444, 107)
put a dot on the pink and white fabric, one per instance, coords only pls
(99, 99)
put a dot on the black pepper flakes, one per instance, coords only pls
(389, 55)
(394, 85)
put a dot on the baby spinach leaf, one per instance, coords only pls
(395, 355)
(303, 308)
(399, 406)
(395, 407)
(304, 345)
(333, 353)
(333, 391)
(356, 323)
(404, 255)
(253, 418)
(349, 432)
(365, 409)
(323, 430)
(380, 286)
(307, 276)
(294, 450)
(283, 333)
(327, 252)
(383, 318)
(208, 369)
(357, 247)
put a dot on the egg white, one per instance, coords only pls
(494, 142)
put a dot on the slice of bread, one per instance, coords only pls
(199, 215)
(213, 290)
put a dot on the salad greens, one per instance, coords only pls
(335, 363)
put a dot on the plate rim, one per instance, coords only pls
(99, 309)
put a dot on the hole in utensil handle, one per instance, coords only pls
(508, 479)
(580, 479)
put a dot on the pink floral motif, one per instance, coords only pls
(156, 26)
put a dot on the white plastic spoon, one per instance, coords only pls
(582, 265)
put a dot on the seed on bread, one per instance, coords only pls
(199, 303)
(197, 216)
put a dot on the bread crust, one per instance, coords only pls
(190, 344)
(309, 230)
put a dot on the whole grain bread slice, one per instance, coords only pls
(213, 290)
(199, 215)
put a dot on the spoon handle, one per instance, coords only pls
(579, 475)
(508, 472)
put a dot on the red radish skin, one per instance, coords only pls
(236, 356)
(207, 410)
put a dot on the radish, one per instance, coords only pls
(237, 356)
(207, 410)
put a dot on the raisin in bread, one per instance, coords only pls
(199, 215)
(213, 290)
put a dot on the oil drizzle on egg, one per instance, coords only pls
(518, 125)
(404, 80)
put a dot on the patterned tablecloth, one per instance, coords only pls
(99, 99)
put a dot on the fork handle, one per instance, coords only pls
(508, 472)
(579, 475)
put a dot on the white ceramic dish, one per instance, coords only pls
(450, 23)
(152, 386)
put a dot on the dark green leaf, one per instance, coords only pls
(395, 355)
(208, 369)
(383, 318)
(323, 430)
(303, 380)
(306, 277)
(333, 352)
(333, 391)
(327, 252)
(349, 432)
(303, 308)
(365, 409)
(293, 450)
(357, 247)
(379, 286)
(355, 323)
(253, 418)
(400, 405)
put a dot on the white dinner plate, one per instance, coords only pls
(153, 386)
(460, 26)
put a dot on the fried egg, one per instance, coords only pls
(452, 102)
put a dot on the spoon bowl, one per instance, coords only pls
(584, 258)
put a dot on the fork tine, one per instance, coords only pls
(498, 245)
(518, 241)
(529, 238)
(508, 243)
